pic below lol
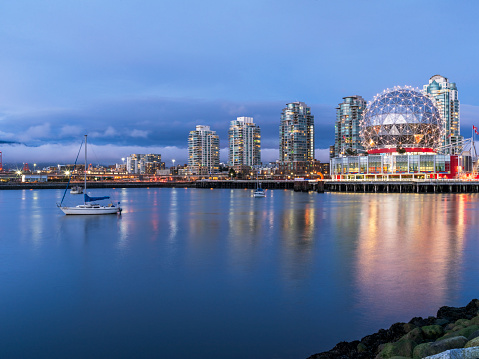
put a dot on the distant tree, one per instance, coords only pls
(232, 173)
(400, 150)
(351, 152)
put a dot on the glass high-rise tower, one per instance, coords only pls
(203, 151)
(446, 97)
(296, 133)
(244, 143)
(349, 114)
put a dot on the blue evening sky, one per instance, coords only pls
(138, 75)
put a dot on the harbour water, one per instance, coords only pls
(219, 274)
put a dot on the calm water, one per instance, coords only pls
(219, 274)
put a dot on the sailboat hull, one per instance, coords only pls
(85, 209)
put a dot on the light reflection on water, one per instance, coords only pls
(222, 274)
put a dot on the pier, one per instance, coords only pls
(298, 186)
(404, 186)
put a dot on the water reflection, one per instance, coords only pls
(297, 234)
(410, 247)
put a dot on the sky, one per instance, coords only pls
(137, 76)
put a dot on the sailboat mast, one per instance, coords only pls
(84, 186)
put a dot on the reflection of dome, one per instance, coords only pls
(401, 117)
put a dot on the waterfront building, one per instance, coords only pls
(203, 151)
(296, 137)
(349, 115)
(445, 95)
(402, 130)
(244, 143)
(332, 152)
(144, 164)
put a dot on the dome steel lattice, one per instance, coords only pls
(401, 117)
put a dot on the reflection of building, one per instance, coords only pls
(401, 130)
(144, 164)
(445, 95)
(394, 246)
(244, 143)
(203, 151)
(349, 114)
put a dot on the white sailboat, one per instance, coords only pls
(76, 190)
(88, 206)
(259, 191)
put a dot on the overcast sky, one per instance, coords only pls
(138, 75)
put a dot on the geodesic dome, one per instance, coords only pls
(401, 117)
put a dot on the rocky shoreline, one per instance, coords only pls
(451, 328)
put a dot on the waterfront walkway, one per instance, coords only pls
(365, 186)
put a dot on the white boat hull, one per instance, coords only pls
(76, 190)
(259, 194)
(82, 209)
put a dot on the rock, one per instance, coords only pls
(415, 335)
(453, 314)
(361, 348)
(462, 322)
(403, 347)
(432, 331)
(398, 357)
(472, 343)
(466, 353)
(420, 322)
(342, 350)
(465, 332)
(426, 349)
(473, 335)
(442, 322)
(475, 320)
(449, 327)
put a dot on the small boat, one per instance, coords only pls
(76, 190)
(88, 207)
(259, 192)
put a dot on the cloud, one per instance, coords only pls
(70, 130)
(98, 154)
(34, 133)
(139, 133)
(109, 132)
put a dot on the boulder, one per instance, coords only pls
(403, 347)
(465, 332)
(473, 335)
(453, 314)
(466, 353)
(432, 331)
(426, 349)
(415, 335)
(475, 320)
(472, 343)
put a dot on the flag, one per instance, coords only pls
(475, 129)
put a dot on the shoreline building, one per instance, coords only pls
(445, 95)
(296, 139)
(244, 138)
(402, 131)
(144, 164)
(349, 115)
(203, 151)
